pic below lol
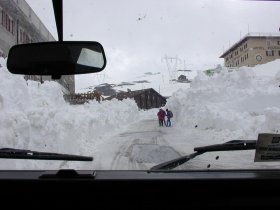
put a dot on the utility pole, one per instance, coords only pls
(172, 63)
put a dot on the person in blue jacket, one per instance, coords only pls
(169, 115)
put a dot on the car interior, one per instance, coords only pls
(163, 186)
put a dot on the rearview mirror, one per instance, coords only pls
(56, 58)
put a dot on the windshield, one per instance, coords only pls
(179, 75)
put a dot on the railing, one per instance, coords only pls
(262, 34)
(81, 98)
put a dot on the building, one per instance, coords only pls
(145, 99)
(253, 49)
(19, 25)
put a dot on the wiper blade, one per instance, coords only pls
(228, 146)
(11, 153)
(175, 162)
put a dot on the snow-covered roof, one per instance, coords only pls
(131, 94)
(250, 35)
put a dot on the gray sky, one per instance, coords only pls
(137, 34)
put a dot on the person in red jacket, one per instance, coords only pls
(161, 115)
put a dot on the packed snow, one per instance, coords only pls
(232, 104)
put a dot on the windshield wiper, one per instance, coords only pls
(228, 146)
(10, 153)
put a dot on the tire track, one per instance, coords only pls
(137, 134)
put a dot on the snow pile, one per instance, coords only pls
(35, 116)
(244, 102)
(230, 105)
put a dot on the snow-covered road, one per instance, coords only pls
(142, 145)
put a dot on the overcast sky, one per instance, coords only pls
(137, 34)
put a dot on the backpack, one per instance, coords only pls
(170, 114)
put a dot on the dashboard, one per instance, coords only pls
(141, 189)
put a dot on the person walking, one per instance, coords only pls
(160, 117)
(169, 115)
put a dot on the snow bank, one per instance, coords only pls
(35, 116)
(244, 102)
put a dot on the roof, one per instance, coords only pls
(250, 35)
(131, 94)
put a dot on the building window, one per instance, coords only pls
(13, 26)
(258, 58)
(268, 43)
(1, 16)
(20, 35)
(269, 53)
(278, 42)
(24, 37)
(7, 21)
(10, 24)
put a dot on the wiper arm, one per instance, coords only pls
(175, 162)
(10, 153)
(228, 146)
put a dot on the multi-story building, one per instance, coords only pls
(18, 25)
(253, 49)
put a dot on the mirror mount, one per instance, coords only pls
(58, 12)
(56, 77)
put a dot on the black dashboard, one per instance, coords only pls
(141, 189)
